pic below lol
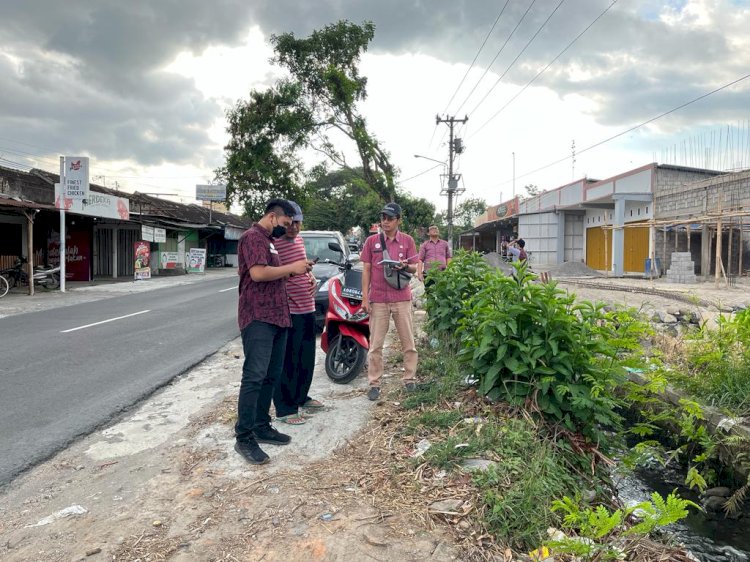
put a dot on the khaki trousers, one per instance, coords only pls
(380, 317)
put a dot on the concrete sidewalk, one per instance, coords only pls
(18, 301)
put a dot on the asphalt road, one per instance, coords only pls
(66, 371)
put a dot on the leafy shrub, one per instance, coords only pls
(464, 276)
(532, 345)
(717, 364)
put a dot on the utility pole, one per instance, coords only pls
(455, 146)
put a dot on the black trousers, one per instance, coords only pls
(264, 346)
(299, 363)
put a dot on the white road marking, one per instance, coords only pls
(104, 321)
(229, 289)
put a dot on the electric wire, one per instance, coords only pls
(635, 127)
(461, 83)
(486, 70)
(530, 41)
(421, 173)
(550, 63)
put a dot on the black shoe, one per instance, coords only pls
(410, 387)
(374, 393)
(251, 452)
(269, 435)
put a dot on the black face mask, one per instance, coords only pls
(278, 231)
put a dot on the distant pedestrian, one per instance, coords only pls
(434, 254)
(517, 249)
(386, 294)
(263, 315)
(291, 392)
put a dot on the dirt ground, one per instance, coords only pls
(162, 482)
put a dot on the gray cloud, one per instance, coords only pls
(89, 76)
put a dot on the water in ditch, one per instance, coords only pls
(710, 538)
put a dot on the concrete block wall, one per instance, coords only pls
(680, 195)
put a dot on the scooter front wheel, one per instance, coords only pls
(345, 359)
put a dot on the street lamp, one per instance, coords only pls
(428, 158)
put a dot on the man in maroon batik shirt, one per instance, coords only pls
(433, 254)
(263, 315)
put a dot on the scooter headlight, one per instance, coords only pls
(359, 316)
(341, 312)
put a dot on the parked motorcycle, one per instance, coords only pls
(47, 277)
(346, 336)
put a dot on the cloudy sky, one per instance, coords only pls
(143, 87)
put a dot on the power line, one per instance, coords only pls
(421, 173)
(494, 59)
(631, 129)
(538, 31)
(550, 63)
(497, 19)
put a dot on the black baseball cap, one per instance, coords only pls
(392, 210)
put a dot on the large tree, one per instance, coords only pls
(468, 210)
(341, 199)
(311, 109)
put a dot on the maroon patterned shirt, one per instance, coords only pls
(434, 254)
(401, 247)
(264, 301)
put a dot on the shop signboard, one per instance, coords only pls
(77, 254)
(170, 260)
(211, 192)
(142, 254)
(76, 184)
(196, 260)
(153, 234)
(100, 205)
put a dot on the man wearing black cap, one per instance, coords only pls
(384, 301)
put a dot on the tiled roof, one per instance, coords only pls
(37, 184)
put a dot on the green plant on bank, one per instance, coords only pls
(597, 527)
(463, 277)
(716, 367)
(533, 345)
(530, 345)
(670, 433)
(531, 469)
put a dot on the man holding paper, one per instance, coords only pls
(389, 258)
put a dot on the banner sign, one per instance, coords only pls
(211, 192)
(97, 204)
(153, 234)
(76, 177)
(142, 252)
(77, 253)
(196, 260)
(170, 260)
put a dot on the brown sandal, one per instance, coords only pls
(292, 419)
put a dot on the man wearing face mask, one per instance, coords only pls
(263, 315)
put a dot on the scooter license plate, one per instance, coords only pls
(351, 293)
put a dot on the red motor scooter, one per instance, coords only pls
(346, 336)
